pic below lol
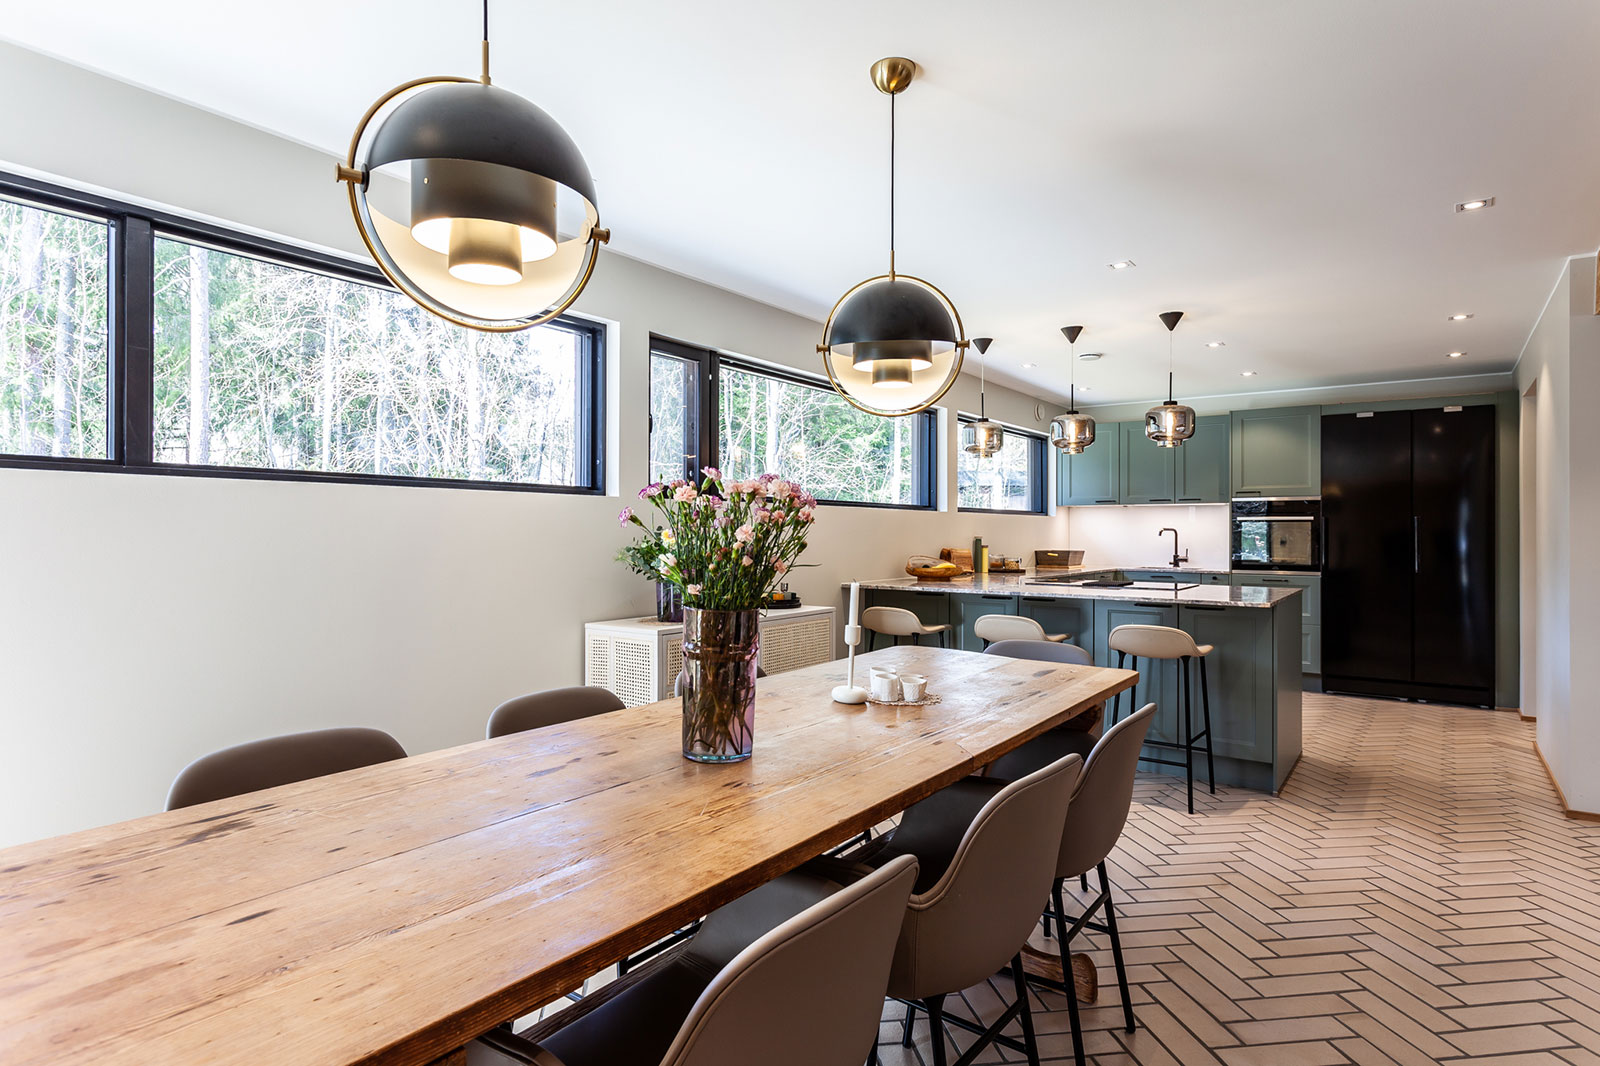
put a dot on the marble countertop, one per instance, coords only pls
(1028, 585)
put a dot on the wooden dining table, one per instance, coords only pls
(391, 914)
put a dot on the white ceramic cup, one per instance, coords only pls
(885, 685)
(913, 686)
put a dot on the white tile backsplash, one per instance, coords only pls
(1127, 537)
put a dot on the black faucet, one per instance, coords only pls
(1177, 560)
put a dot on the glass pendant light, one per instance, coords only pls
(982, 437)
(893, 344)
(1170, 424)
(462, 190)
(1072, 432)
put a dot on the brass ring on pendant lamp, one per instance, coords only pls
(826, 349)
(356, 179)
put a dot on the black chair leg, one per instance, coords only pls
(1065, 948)
(1205, 703)
(1188, 728)
(916, 639)
(1116, 950)
(911, 1019)
(1026, 1014)
(1083, 881)
(935, 1005)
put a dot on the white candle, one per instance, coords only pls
(855, 603)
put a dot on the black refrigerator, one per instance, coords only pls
(1408, 511)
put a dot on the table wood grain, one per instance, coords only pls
(390, 914)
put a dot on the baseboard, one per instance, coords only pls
(1527, 717)
(1582, 816)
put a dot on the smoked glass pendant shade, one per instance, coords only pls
(1169, 425)
(982, 438)
(462, 192)
(1072, 432)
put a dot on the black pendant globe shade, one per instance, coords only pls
(462, 190)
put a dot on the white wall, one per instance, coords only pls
(150, 619)
(1128, 537)
(1561, 366)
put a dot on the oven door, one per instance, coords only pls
(1277, 542)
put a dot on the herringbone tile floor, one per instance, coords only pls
(1413, 896)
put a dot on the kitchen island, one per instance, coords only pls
(1254, 672)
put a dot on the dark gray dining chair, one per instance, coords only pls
(791, 974)
(551, 707)
(279, 761)
(1044, 651)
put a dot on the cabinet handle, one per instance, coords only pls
(1274, 581)
(1038, 599)
(1198, 607)
(1191, 499)
(1247, 492)
(920, 593)
(1416, 544)
(1160, 499)
(1106, 501)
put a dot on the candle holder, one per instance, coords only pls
(850, 692)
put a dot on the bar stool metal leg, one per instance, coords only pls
(1205, 703)
(1185, 667)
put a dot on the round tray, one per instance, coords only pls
(927, 699)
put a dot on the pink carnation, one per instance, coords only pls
(622, 518)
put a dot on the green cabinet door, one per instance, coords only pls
(966, 609)
(1276, 452)
(1310, 586)
(1148, 472)
(1094, 476)
(1157, 678)
(1059, 615)
(1240, 675)
(1202, 462)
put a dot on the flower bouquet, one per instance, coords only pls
(724, 545)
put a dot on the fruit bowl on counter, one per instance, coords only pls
(931, 569)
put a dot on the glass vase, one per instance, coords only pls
(719, 691)
(669, 603)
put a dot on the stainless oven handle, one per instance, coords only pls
(1275, 518)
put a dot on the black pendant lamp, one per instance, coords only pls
(461, 191)
(1170, 424)
(1072, 432)
(893, 344)
(983, 437)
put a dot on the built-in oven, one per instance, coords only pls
(1277, 533)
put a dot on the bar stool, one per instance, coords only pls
(996, 627)
(897, 622)
(1166, 643)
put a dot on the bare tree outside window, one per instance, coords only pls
(259, 364)
(1009, 480)
(53, 300)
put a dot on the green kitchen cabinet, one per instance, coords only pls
(967, 608)
(1240, 674)
(1201, 463)
(1310, 586)
(1276, 452)
(1094, 475)
(1149, 473)
(1158, 679)
(1059, 615)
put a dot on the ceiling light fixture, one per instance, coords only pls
(1029, 366)
(1122, 264)
(893, 344)
(1172, 423)
(983, 437)
(1216, 344)
(1475, 205)
(473, 185)
(1247, 373)
(1459, 318)
(1072, 432)
(1457, 355)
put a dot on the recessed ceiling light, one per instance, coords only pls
(1459, 318)
(1247, 373)
(1457, 355)
(1029, 366)
(1475, 205)
(1216, 344)
(1089, 357)
(1122, 264)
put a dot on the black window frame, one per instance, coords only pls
(130, 348)
(1038, 487)
(708, 419)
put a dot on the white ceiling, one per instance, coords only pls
(1283, 170)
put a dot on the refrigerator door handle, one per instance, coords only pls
(1416, 544)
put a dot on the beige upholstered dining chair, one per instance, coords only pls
(734, 994)
(996, 627)
(552, 707)
(987, 851)
(279, 761)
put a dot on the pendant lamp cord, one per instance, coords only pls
(486, 42)
(891, 183)
(1072, 377)
(983, 388)
(1169, 365)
